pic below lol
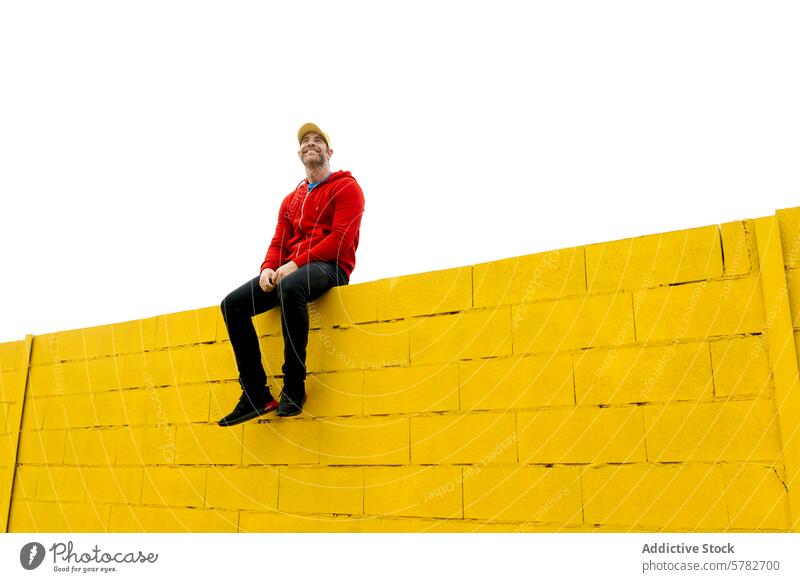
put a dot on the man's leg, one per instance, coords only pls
(295, 291)
(238, 309)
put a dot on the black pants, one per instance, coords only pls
(292, 294)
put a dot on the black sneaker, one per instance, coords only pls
(245, 410)
(289, 407)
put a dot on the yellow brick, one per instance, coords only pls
(90, 446)
(516, 382)
(414, 389)
(41, 446)
(38, 517)
(70, 412)
(348, 524)
(757, 498)
(472, 334)
(729, 307)
(371, 345)
(279, 522)
(478, 526)
(411, 295)
(268, 323)
(174, 486)
(33, 413)
(741, 367)
(130, 445)
(114, 485)
(649, 374)
(134, 336)
(8, 451)
(464, 438)
(69, 345)
(104, 373)
(236, 488)
(524, 493)
(25, 480)
(337, 394)
(126, 518)
(736, 243)
(206, 363)
(187, 327)
(581, 435)
(11, 385)
(793, 287)
(789, 221)
(725, 431)
(208, 444)
(160, 445)
(345, 305)
(370, 441)
(61, 483)
(121, 407)
(530, 278)
(658, 259)
(178, 404)
(10, 354)
(321, 490)
(573, 323)
(151, 369)
(413, 491)
(280, 443)
(656, 497)
(98, 341)
(59, 379)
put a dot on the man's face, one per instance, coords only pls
(313, 150)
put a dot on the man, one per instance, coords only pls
(313, 249)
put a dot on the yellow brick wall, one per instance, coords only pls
(623, 386)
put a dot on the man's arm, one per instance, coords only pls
(348, 209)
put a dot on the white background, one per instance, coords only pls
(145, 146)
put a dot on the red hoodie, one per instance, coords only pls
(320, 226)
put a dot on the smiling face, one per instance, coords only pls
(314, 150)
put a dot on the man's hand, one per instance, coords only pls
(265, 282)
(283, 271)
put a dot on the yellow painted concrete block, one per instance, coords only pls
(187, 327)
(33, 413)
(10, 385)
(104, 373)
(793, 287)
(208, 444)
(528, 278)
(369, 441)
(412, 389)
(443, 291)
(41, 446)
(25, 481)
(584, 322)
(757, 498)
(99, 341)
(130, 445)
(322, 490)
(149, 369)
(206, 363)
(581, 435)
(659, 259)
(486, 437)
(741, 367)
(267, 323)
(60, 483)
(413, 491)
(523, 493)
(725, 431)
(90, 446)
(114, 484)
(336, 394)
(472, 334)
(174, 486)
(253, 488)
(59, 379)
(181, 404)
(737, 242)
(71, 412)
(707, 308)
(371, 345)
(277, 522)
(345, 305)
(160, 445)
(7, 412)
(516, 382)
(7, 450)
(656, 497)
(281, 443)
(643, 374)
(122, 407)
(32, 516)
(349, 524)
(134, 336)
(10, 355)
(133, 519)
(789, 221)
